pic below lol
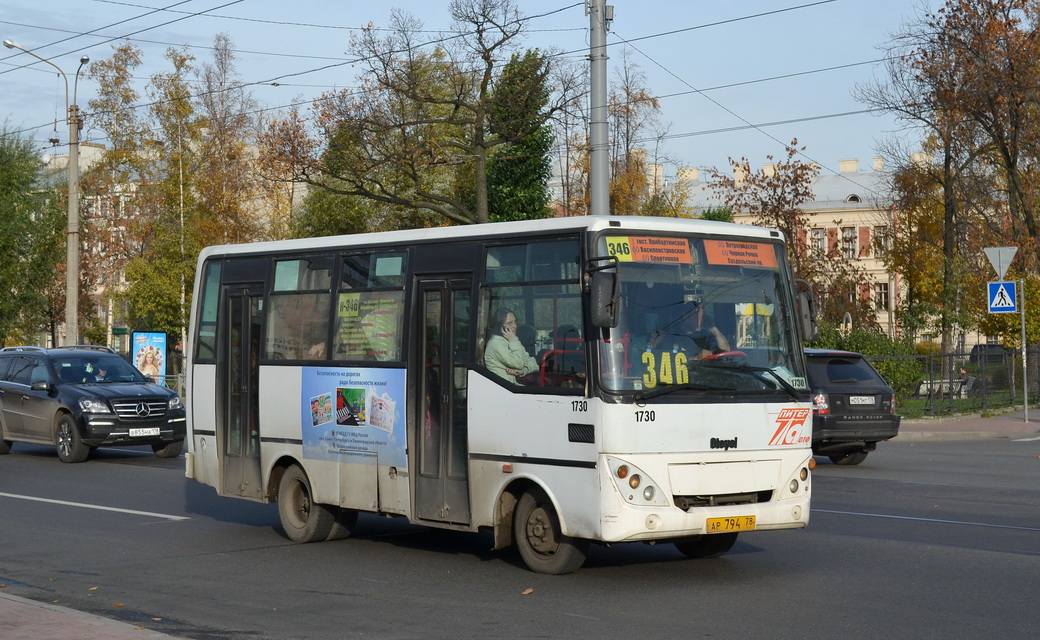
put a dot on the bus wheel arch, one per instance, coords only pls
(303, 520)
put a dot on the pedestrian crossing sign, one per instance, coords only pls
(1003, 297)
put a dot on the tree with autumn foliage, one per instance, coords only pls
(178, 176)
(774, 198)
(968, 78)
(636, 181)
(631, 110)
(421, 129)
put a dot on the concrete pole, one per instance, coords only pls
(72, 239)
(599, 168)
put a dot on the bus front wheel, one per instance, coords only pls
(542, 545)
(303, 520)
(711, 546)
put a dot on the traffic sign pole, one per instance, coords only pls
(1025, 370)
(997, 300)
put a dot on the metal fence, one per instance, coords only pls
(175, 382)
(946, 384)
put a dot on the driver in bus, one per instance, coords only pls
(694, 333)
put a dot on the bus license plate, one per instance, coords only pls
(736, 523)
(143, 433)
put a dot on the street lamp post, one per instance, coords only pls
(72, 238)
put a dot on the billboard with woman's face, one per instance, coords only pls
(148, 354)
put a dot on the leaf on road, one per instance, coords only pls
(527, 592)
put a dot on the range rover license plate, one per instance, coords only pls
(736, 523)
(144, 433)
(861, 399)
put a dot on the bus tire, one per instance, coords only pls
(168, 449)
(849, 459)
(543, 547)
(343, 526)
(67, 442)
(712, 546)
(303, 520)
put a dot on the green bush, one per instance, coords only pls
(927, 348)
(895, 360)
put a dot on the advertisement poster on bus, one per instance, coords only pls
(148, 353)
(348, 414)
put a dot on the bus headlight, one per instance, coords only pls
(634, 485)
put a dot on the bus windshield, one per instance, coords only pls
(700, 315)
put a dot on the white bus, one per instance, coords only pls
(561, 382)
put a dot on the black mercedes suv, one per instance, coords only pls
(79, 398)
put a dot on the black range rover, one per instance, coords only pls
(79, 398)
(853, 406)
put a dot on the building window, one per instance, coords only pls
(848, 243)
(819, 241)
(882, 242)
(881, 296)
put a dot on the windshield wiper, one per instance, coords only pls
(722, 364)
(689, 386)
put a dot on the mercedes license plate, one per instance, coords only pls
(861, 399)
(144, 433)
(736, 523)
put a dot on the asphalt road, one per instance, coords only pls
(929, 539)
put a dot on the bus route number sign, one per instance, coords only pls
(725, 525)
(644, 249)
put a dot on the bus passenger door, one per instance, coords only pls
(238, 431)
(442, 481)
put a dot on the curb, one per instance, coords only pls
(35, 620)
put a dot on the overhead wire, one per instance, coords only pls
(277, 80)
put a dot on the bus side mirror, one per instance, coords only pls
(807, 315)
(603, 299)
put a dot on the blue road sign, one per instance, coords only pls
(1003, 297)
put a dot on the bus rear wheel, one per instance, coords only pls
(303, 519)
(542, 545)
(343, 527)
(711, 546)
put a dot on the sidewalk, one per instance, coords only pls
(24, 619)
(971, 427)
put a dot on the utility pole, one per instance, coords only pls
(600, 16)
(72, 235)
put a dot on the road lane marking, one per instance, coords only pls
(935, 520)
(94, 506)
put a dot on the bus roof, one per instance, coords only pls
(503, 229)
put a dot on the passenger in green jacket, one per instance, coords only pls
(504, 354)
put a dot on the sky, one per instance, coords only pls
(735, 79)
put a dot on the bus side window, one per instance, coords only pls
(369, 314)
(296, 326)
